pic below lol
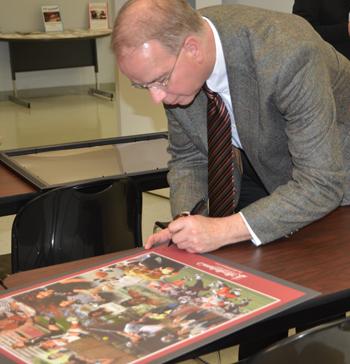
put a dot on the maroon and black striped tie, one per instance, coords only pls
(221, 185)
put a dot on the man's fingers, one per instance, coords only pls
(179, 224)
(162, 236)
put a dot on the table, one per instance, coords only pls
(16, 189)
(16, 192)
(317, 257)
(38, 51)
(325, 242)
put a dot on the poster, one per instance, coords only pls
(148, 307)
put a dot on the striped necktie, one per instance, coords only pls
(221, 184)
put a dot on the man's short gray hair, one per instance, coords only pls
(167, 21)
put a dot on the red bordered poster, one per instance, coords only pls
(148, 307)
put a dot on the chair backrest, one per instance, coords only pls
(311, 313)
(324, 344)
(77, 222)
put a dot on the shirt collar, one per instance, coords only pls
(217, 81)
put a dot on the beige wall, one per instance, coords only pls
(204, 3)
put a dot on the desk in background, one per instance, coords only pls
(15, 191)
(18, 187)
(45, 51)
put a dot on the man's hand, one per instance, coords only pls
(199, 234)
(162, 236)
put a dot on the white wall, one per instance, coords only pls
(204, 3)
(25, 16)
(279, 5)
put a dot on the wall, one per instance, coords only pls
(25, 16)
(204, 3)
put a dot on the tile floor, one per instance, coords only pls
(67, 118)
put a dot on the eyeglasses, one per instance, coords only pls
(163, 84)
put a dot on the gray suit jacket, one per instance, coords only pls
(291, 100)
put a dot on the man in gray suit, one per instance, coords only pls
(288, 95)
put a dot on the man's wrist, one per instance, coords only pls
(234, 229)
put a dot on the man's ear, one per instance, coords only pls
(193, 47)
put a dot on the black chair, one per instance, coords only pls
(70, 223)
(324, 344)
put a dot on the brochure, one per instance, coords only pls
(98, 15)
(52, 18)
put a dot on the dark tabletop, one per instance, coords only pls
(317, 257)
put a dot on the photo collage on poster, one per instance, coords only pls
(136, 309)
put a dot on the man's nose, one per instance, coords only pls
(157, 94)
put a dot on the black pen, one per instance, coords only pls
(197, 209)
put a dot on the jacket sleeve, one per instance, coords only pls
(188, 174)
(304, 96)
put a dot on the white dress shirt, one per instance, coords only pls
(218, 82)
